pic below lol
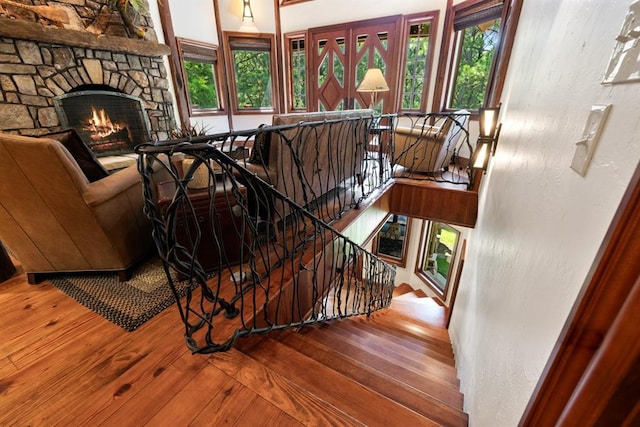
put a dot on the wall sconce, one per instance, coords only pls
(247, 14)
(488, 138)
(373, 82)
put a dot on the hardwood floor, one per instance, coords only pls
(61, 364)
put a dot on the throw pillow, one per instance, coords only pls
(83, 155)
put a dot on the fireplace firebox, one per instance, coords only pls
(109, 122)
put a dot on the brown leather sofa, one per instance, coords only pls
(327, 153)
(54, 220)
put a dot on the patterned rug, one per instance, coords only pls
(127, 304)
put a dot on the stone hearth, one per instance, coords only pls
(39, 62)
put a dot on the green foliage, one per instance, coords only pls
(299, 69)
(201, 85)
(415, 70)
(253, 78)
(476, 56)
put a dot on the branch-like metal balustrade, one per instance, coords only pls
(256, 258)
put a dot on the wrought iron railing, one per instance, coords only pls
(252, 258)
(433, 147)
(245, 226)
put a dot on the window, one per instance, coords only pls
(477, 36)
(437, 254)
(251, 63)
(200, 70)
(297, 69)
(417, 63)
(393, 239)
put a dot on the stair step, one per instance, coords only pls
(354, 346)
(398, 343)
(296, 401)
(420, 293)
(388, 362)
(402, 289)
(426, 310)
(365, 405)
(444, 406)
(409, 325)
(432, 345)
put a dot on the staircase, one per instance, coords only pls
(393, 368)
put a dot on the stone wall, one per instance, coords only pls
(32, 74)
(40, 60)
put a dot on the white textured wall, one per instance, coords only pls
(540, 223)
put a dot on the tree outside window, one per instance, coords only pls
(298, 73)
(200, 72)
(417, 63)
(477, 49)
(251, 60)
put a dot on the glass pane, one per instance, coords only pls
(392, 239)
(477, 49)
(415, 71)
(253, 78)
(201, 84)
(338, 69)
(438, 254)
(323, 70)
(298, 74)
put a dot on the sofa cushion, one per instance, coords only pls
(82, 154)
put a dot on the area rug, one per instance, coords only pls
(127, 304)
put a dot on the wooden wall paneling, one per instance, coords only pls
(428, 201)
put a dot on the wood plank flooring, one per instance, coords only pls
(61, 364)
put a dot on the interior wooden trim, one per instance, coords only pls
(456, 283)
(280, 101)
(409, 20)
(593, 336)
(222, 61)
(401, 262)
(511, 17)
(237, 37)
(288, 66)
(174, 63)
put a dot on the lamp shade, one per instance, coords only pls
(373, 81)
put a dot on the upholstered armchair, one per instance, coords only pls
(55, 220)
(425, 148)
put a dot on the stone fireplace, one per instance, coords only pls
(109, 122)
(44, 66)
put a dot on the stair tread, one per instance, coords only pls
(402, 289)
(444, 406)
(365, 405)
(409, 325)
(369, 340)
(423, 309)
(302, 405)
(432, 345)
(345, 344)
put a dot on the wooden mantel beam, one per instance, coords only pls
(33, 31)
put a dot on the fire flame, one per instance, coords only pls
(100, 125)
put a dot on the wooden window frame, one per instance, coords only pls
(425, 232)
(508, 26)
(467, 10)
(204, 52)
(408, 21)
(290, 2)
(289, 37)
(402, 261)
(233, 37)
